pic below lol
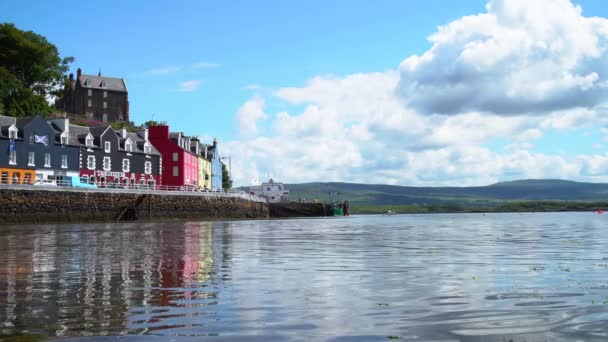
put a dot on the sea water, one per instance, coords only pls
(436, 277)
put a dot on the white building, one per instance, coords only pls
(273, 192)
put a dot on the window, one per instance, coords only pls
(107, 146)
(148, 167)
(47, 160)
(32, 138)
(105, 105)
(31, 159)
(12, 157)
(105, 93)
(107, 163)
(91, 162)
(89, 141)
(105, 117)
(12, 133)
(90, 103)
(64, 140)
(64, 161)
(126, 165)
(121, 117)
(147, 149)
(4, 177)
(104, 84)
(175, 156)
(84, 179)
(175, 171)
(90, 92)
(128, 146)
(90, 115)
(87, 82)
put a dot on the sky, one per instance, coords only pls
(429, 92)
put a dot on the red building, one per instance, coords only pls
(179, 165)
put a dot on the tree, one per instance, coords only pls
(226, 181)
(31, 71)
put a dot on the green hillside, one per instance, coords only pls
(480, 196)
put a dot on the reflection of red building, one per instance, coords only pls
(180, 166)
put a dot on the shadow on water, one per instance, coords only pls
(466, 277)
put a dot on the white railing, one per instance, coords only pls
(131, 188)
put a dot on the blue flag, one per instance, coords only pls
(11, 146)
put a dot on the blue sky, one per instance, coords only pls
(197, 64)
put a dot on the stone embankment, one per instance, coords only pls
(75, 205)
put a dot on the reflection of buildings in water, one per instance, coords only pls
(67, 280)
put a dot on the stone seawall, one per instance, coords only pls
(280, 210)
(52, 206)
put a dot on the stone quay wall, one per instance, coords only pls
(77, 205)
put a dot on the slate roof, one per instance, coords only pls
(5, 123)
(22, 122)
(78, 135)
(138, 143)
(112, 83)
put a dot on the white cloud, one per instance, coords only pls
(204, 65)
(248, 116)
(252, 87)
(512, 73)
(519, 57)
(189, 86)
(164, 70)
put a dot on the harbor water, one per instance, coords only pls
(436, 277)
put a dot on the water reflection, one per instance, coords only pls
(472, 277)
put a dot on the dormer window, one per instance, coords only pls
(87, 82)
(128, 146)
(12, 132)
(104, 84)
(89, 141)
(147, 149)
(107, 146)
(64, 140)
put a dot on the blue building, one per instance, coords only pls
(213, 154)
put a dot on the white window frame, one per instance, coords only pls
(64, 139)
(128, 146)
(104, 117)
(89, 103)
(107, 163)
(148, 167)
(31, 159)
(105, 104)
(90, 92)
(64, 161)
(47, 160)
(89, 141)
(12, 158)
(107, 146)
(91, 162)
(126, 165)
(147, 149)
(105, 93)
(175, 171)
(175, 156)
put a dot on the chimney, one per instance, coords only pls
(214, 142)
(99, 74)
(78, 73)
(205, 152)
(71, 77)
(123, 133)
(143, 133)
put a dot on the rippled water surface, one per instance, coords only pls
(461, 277)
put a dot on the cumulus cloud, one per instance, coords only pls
(519, 57)
(512, 73)
(248, 115)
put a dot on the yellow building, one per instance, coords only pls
(204, 171)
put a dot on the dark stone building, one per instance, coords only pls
(34, 149)
(98, 97)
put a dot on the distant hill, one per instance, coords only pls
(521, 190)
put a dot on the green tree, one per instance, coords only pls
(226, 181)
(31, 71)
